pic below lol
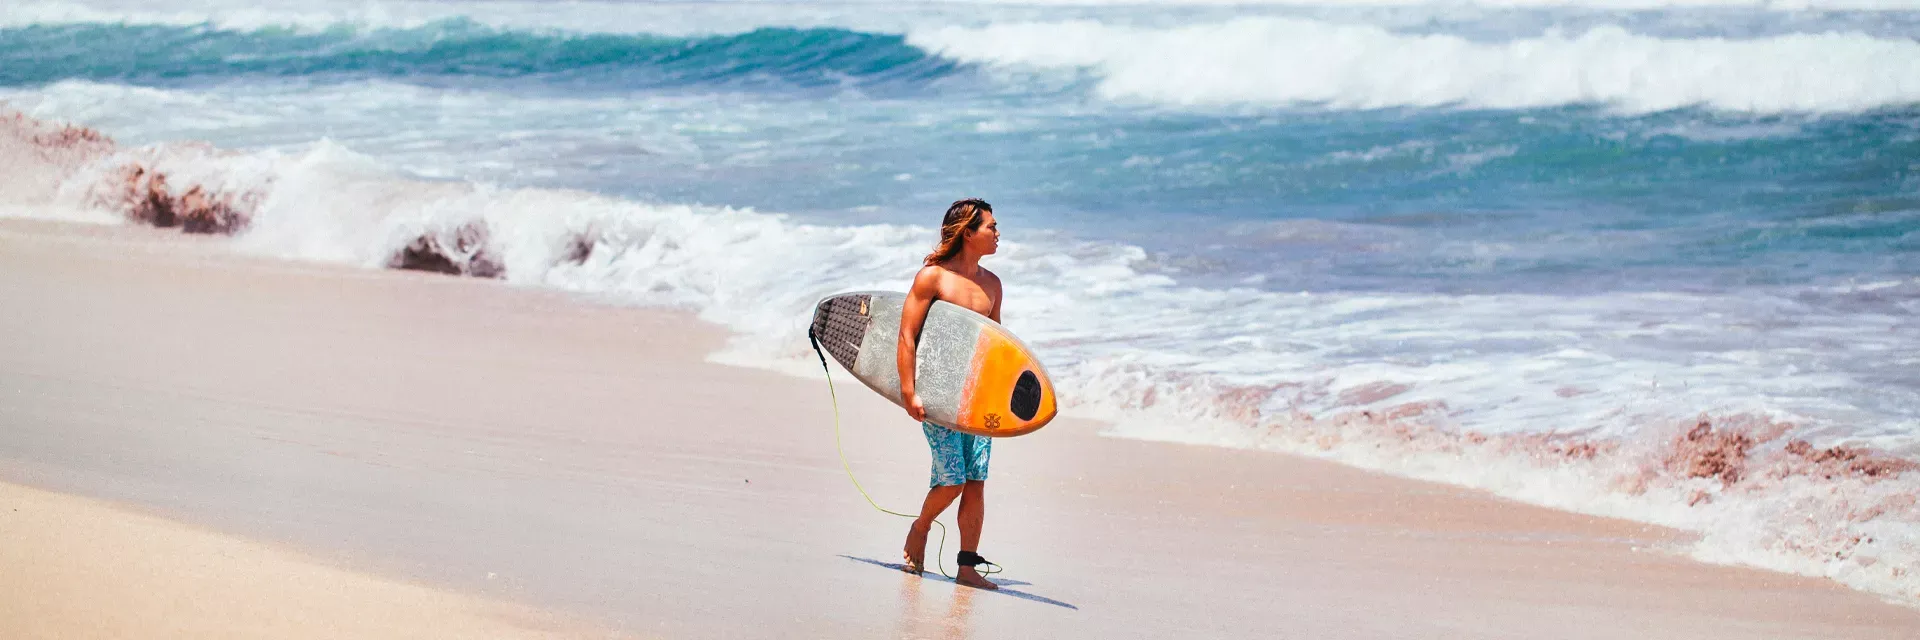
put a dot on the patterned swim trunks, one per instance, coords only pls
(957, 457)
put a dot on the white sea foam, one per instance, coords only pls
(1289, 61)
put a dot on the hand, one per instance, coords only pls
(914, 408)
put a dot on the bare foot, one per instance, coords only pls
(916, 550)
(972, 578)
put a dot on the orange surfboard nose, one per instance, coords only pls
(1008, 394)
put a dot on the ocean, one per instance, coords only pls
(1642, 259)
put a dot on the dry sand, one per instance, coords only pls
(73, 568)
(515, 444)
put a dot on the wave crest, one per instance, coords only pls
(1285, 61)
(460, 47)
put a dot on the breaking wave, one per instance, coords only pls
(1288, 61)
(1263, 62)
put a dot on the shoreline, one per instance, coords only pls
(519, 444)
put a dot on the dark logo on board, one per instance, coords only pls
(993, 421)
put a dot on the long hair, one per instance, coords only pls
(962, 216)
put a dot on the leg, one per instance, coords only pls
(937, 500)
(949, 472)
(973, 516)
(973, 513)
(973, 507)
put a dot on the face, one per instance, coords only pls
(986, 239)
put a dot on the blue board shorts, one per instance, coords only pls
(957, 457)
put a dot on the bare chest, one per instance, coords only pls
(960, 290)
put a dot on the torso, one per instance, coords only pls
(978, 293)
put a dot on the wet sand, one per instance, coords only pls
(514, 444)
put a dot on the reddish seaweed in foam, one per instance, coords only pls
(52, 160)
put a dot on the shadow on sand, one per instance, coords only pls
(1004, 583)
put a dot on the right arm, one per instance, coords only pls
(913, 316)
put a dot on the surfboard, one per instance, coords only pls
(971, 374)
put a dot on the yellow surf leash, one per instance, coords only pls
(939, 560)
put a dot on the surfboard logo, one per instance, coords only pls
(993, 421)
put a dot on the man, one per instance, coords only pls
(952, 273)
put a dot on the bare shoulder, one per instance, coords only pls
(927, 281)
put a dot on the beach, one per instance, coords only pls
(1406, 319)
(250, 428)
(79, 568)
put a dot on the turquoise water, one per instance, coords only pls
(1579, 196)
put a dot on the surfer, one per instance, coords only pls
(952, 273)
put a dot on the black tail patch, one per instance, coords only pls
(840, 325)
